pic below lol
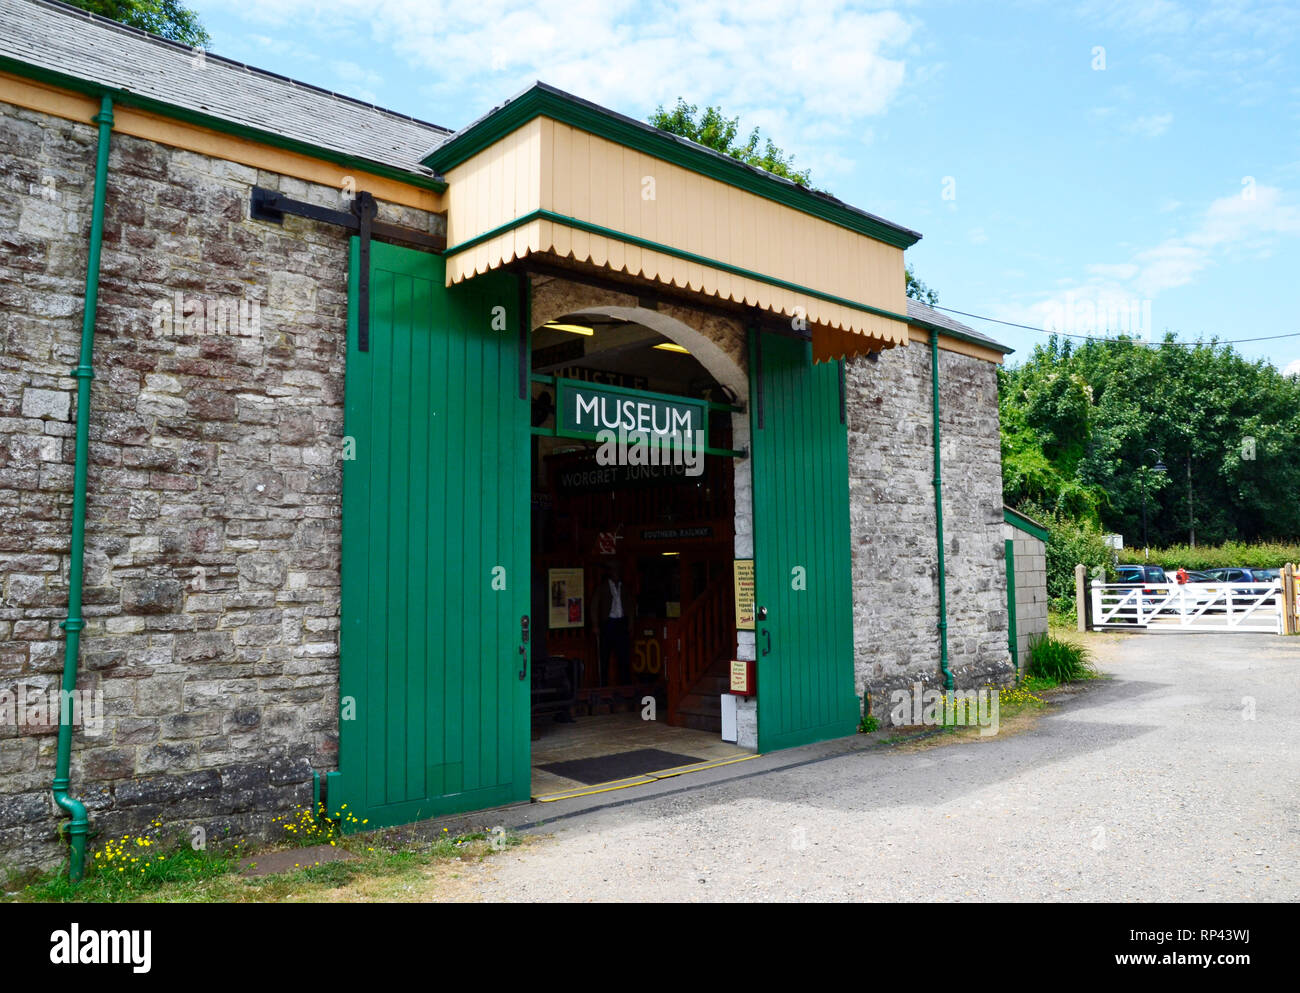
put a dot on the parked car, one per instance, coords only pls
(1221, 581)
(1135, 574)
(1236, 576)
(1206, 587)
(1139, 575)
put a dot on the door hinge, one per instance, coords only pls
(268, 205)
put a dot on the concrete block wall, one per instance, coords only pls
(1030, 568)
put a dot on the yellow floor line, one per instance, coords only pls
(649, 777)
(682, 770)
(613, 784)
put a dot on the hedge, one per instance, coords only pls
(1230, 554)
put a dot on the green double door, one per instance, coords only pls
(434, 650)
(803, 572)
(434, 687)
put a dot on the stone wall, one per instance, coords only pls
(892, 522)
(212, 548)
(971, 453)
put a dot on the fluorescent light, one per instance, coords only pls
(670, 553)
(669, 346)
(571, 328)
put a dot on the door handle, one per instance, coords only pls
(767, 638)
(523, 647)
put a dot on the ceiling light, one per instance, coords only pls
(669, 346)
(571, 328)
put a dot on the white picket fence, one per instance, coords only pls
(1189, 606)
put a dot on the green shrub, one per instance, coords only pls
(1233, 553)
(1069, 543)
(1059, 660)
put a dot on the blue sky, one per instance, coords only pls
(1081, 166)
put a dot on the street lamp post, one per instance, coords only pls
(1159, 467)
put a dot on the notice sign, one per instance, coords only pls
(567, 598)
(745, 594)
(742, 678)
(585, 410)
(676, 534)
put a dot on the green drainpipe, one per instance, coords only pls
(76, 553)
(938, 519)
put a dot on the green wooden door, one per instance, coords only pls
(803, 575)
(433, 687)
(1013, 640)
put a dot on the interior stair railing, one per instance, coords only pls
(702, 635)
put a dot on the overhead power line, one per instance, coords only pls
(1093, 337)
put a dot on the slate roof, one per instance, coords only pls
(70, 41)
(929, 318)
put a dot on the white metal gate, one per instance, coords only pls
(1189, 606)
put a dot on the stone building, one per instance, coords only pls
(346, 525)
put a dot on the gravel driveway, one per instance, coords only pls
(1151, 785)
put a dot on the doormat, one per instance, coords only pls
(622, 765)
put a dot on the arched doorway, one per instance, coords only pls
(653, 545)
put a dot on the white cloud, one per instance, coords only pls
(1236, 50)
(1119, 296)
(1264, 20)
(1292, 369)
(835, 63)
(1120, 270)
(1144, 126)
(1231, 224)
(1150, 125)
(1094, 308)
(1130, 18)
(357, 80)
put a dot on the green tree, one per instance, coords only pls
(1079, 425)
(1029, 473)
(1070, 541)
(715, 130)
(917, 290)
(167, 18)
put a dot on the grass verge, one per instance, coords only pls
(152, 868)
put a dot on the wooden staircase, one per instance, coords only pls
(700, 708)
(700, 646)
